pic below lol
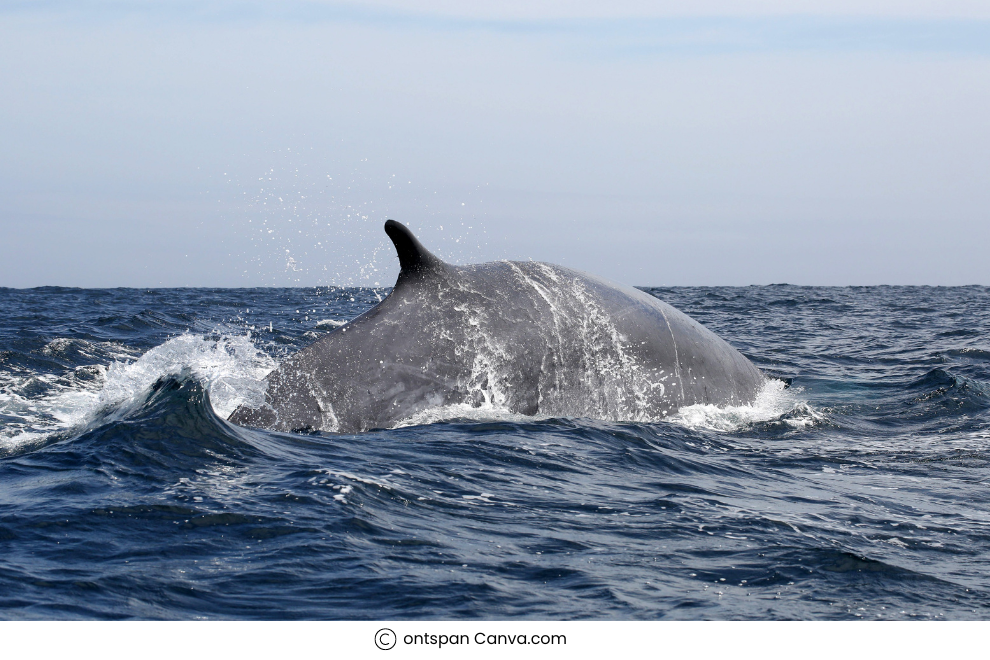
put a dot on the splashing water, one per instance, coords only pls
(774, 403)
(486, 412)
(230, 367)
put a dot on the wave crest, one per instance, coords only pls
(229, 367)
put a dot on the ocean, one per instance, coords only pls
(857, 486)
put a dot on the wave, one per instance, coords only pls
(943, 383)
(968, 353)
(173, 429)
(229, 367)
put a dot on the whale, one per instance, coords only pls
(529, 338)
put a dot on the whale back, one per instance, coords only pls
(524, 337)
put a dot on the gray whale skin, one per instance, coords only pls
(531, 338)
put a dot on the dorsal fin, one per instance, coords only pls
(413, 257)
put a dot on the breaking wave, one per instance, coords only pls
(229, 367)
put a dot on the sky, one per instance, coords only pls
(228, 144)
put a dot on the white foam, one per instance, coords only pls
(485, 413)
(774, 402)
(230, 368)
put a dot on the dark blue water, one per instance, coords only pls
(862, 490)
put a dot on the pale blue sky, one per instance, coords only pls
(251, 143)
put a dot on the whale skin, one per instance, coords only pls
(525, 337)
